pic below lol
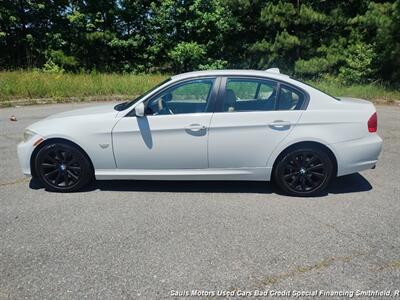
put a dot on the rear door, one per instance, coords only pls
(253, 116)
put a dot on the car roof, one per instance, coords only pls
(257, 73)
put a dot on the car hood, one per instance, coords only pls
(75, 118)
(101, 109)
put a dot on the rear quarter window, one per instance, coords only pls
(290, 98)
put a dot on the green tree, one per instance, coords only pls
(187, 56)
(354, 41)
(381, 24)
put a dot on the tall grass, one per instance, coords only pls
(373, 92)
(29, 86)
(36, 85)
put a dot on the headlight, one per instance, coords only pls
(28, 134)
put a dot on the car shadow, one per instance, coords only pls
(349, 184)
(342, 185)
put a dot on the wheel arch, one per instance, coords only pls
(55, 140)
(312, 144)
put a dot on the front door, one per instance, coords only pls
(173, 133)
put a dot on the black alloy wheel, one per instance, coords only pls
(62, 167)
(304, 172)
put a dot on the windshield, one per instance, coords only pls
(125, 105)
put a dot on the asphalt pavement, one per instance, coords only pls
(152, 240)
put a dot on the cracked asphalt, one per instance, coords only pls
(135, 239)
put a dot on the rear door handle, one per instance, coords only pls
(195, 127)
(280, 124)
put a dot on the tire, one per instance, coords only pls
(304, 172)
(62, 167)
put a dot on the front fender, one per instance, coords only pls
(92, 133)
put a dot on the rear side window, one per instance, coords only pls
(289, 98)
(249, 95)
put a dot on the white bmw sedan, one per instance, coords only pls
(209, 125)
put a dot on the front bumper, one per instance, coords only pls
(25, 150)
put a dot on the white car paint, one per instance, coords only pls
(162, 142)
(211, 146)
(246, 139)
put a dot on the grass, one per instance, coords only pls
(29, 87)
(374, 92)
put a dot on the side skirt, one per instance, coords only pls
(256, 174)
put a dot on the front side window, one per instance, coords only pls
(125, 105)
(189, 97)
(249, 95)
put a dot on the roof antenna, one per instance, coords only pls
(273, 70)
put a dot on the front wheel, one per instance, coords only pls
(304, 172)
(62, 167)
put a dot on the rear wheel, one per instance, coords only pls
(62, 167)
(304, 172)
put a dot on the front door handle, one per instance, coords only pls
(280, 124)
(195, 127)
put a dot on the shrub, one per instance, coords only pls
(187, 56)
(359, 58)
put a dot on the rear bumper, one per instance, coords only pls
(358, 155)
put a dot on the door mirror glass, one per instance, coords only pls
(139, 110)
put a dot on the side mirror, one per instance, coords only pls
(139, 110)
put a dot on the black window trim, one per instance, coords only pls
(211, 105)
(224, 79)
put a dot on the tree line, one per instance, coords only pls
(351, 41)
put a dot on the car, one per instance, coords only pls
(209, 125)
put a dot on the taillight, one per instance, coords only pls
(373, 123)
